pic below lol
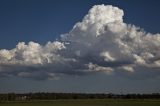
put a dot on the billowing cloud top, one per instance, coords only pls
(102, 42)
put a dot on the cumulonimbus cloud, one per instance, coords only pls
(102, 42)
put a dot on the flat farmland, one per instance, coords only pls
(86, 102)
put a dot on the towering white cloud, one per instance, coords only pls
(102, 42)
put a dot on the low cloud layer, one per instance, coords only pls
(102, 42)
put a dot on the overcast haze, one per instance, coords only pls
(67, 47)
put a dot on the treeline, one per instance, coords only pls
(54, 96)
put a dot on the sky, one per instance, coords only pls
(97, 46)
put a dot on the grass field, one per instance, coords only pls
(86, 102)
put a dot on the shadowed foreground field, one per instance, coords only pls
(86, 102)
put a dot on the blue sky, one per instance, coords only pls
(41, 21)
(45, 20)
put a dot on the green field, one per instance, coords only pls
(86, 102)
